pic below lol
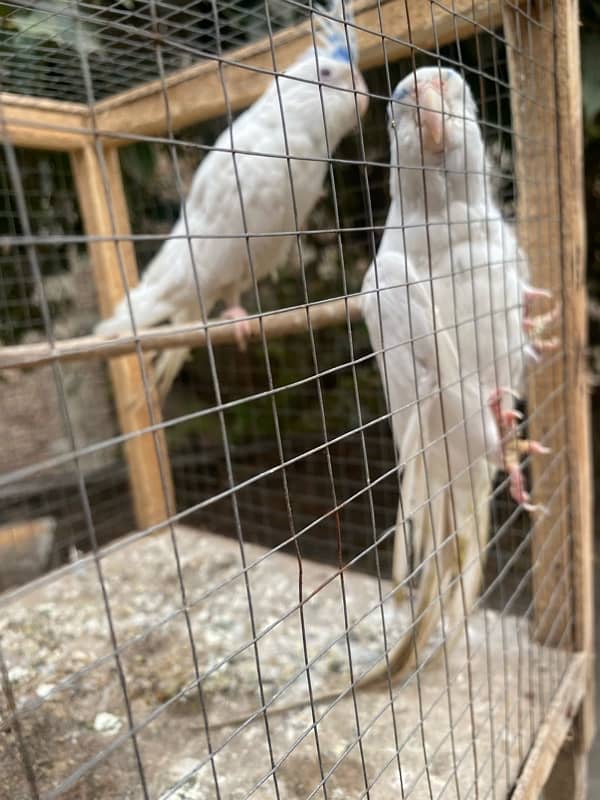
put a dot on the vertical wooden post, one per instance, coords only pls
(104, 212)
(568, 66)
(531, 61)
(543, 58)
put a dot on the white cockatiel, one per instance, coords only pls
(444, 305)
(246, 192)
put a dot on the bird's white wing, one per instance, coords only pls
(252, 193)
(444, 490)
(416, 353)
(207, 251)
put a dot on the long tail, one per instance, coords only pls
(404, 541)
(166, 368)
(450, 523)
(147, 306)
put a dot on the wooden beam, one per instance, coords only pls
(196, 93)
(531, 62)
(103, 206)
(568, 70)
(545, 64)
(43, 124)
(553, 732)
(274, 325)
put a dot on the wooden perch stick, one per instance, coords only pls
(85, 348)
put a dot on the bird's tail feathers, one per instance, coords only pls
(403, 541)
(166, 368)
(147, 307)
(149, 310)
(169, 362)
(449, 521)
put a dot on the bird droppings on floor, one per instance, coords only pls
(75, 723)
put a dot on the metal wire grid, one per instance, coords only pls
(340, 502)
(41, 42)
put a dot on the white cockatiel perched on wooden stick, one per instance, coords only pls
(445, 304)
(248, 185)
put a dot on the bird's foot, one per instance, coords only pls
(537, 326)
(242, 328)
(512, 448)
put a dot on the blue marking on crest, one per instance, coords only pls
(340, 53)
(401, 92)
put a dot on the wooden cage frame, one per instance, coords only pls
(93, 135)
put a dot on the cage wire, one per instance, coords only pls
(218, 652)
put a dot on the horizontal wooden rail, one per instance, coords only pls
(42, 123)
(274, 325)
(196, 93)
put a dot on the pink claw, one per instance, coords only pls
(517, 486)
(511, 447)
(504, 418)
(542, 320)
(520, 495)
(242, 329)
(531, 293)
(536, 326)
(538, 448)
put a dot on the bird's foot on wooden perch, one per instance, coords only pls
(512, 448)
(536, 326)
(242, 329)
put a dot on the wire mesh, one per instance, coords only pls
(220, 649)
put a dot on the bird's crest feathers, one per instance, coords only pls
(335, 38)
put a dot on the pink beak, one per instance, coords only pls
(431, 115)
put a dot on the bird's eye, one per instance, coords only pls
(325, 72)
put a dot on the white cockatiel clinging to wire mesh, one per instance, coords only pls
(247, 185)
(445, 303)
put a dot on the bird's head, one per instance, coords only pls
(432, 114)
(339, 81)
(327, 81)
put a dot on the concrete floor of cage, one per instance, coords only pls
(57, 646)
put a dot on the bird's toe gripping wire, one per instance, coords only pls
(242, 329)
(512, 447)
(537, 326)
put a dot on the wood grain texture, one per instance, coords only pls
(531, 61)
(104, 211)
(42, 123)
(569, 99)
(544, 65)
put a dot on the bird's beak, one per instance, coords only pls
(362, 99)
(431, 117)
